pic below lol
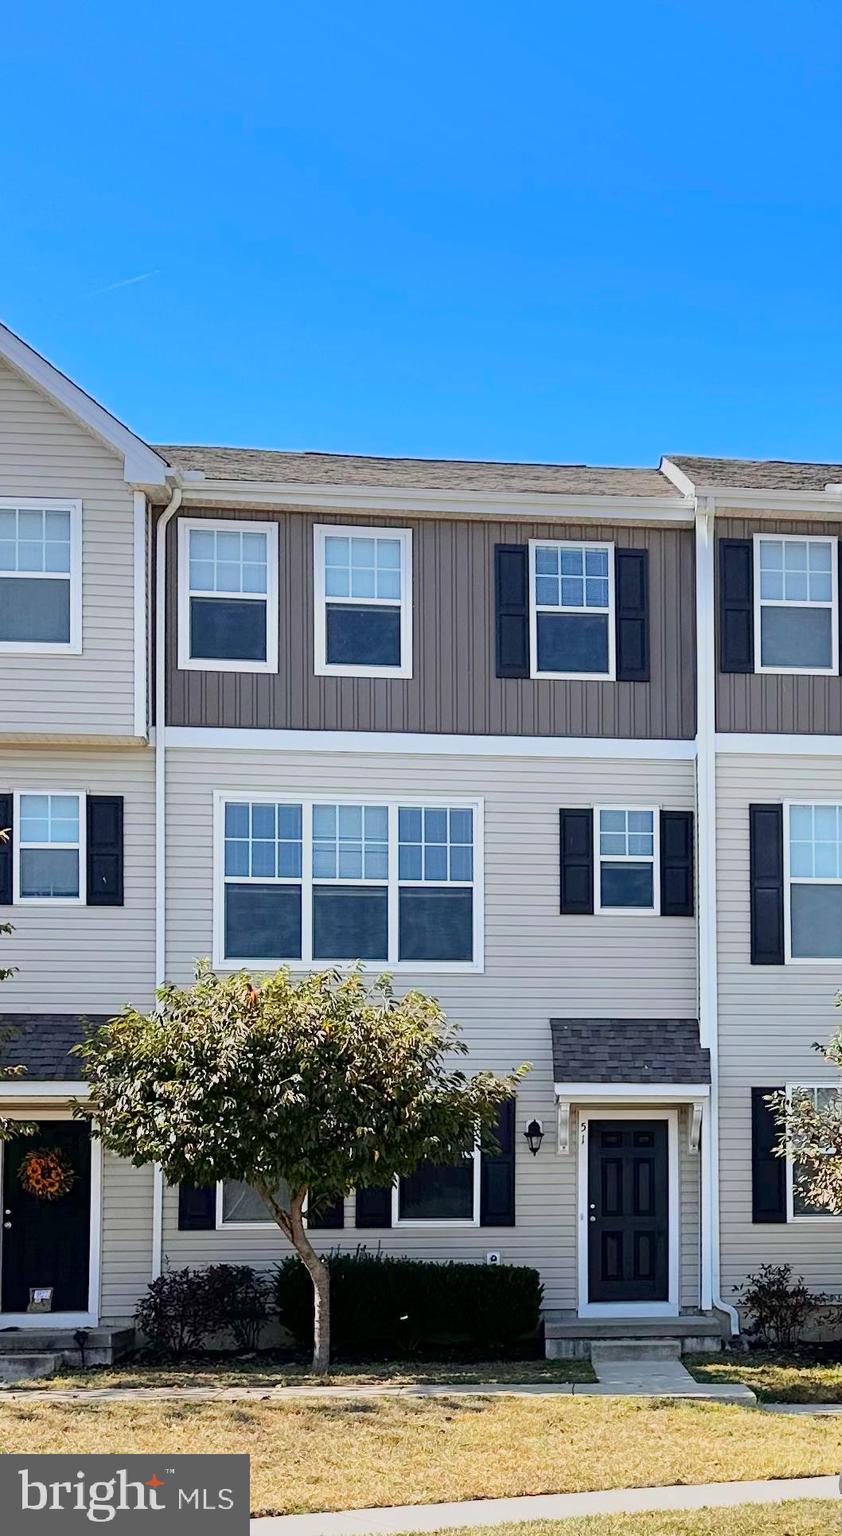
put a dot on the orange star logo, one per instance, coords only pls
(154, 1482)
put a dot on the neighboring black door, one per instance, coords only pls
(628, 1211)
(47, 1242)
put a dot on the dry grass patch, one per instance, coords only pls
(311, 1455)
(775, 1378)
(267, 1373)
(807, 1518)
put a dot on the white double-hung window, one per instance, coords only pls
(40, 577)
(363, 601)
(826, 1100)
(49, 848)
(813, 881)
(796, 611)
(626, 867)
(227, 596)
(571, 609)
(320, 881)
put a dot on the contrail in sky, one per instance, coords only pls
(125, 282)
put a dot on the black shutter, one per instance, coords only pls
(105, 850)
(497, 1173)
(6, 849)
(736, 605)
(328, 1216)
(196, 1208)
(631, 600)
(576, 860)
(374, 1207)
(768, 1173)
(511, 609)
(766, 880)
(676, 863)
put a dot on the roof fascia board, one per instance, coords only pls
(141, 465)
(811, 503)
(436, 503)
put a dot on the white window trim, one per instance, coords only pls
(269, 1225)
(392, 801)
(760, 603)
(536, 608)
(186, 526)
(655, 909)
(438, 1221)
(321, 666)
(789, 957)
(820, 1217)
(73, 646)
(50, 901)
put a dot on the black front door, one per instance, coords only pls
(47, 1242)
(628, 1211)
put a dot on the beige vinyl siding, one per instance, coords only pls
(538, 964)
(768, 701)
(454, 687)
(45, 453)
(769, 1017)
(78, 959)
(126, 1237)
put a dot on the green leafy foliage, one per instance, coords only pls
(394, 1307)
(324, 1082)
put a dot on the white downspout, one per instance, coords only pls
(708, 962)
(160, 822)
(160, 736)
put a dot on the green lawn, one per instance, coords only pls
(309, 1454)
(776, 1378)
(808, 1518)
(263, 1373)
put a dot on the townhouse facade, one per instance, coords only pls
(559, 745)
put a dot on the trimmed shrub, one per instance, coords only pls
(384, 1306)
(183, 1308)
(777, 1305)
(237, 1299)
(174, 1314)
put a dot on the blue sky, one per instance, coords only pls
(550, 230)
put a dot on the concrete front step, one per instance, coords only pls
(21, 1365)
(607, 1350)
(568, 1337)
(91, 1346)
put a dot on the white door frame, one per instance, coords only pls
(606, 1309)
(90, 1318)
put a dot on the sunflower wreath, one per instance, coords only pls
(47, 1173)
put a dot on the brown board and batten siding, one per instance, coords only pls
(769, 701)
(454, 688)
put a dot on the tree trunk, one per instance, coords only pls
(320, 1276)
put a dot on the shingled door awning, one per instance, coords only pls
(628, 1061)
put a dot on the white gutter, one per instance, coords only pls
(160, 735)
(708, 962)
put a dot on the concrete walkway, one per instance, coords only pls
(650, 1374)
(549, 1506)
(651, 1385)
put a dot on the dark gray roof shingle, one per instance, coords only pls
(757, 474)
(628, 1051)
(264, 464)
(41, 1042)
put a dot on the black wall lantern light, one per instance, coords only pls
(534, 1134)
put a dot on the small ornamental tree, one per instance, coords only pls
(306, 1089)
(811, 1134)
